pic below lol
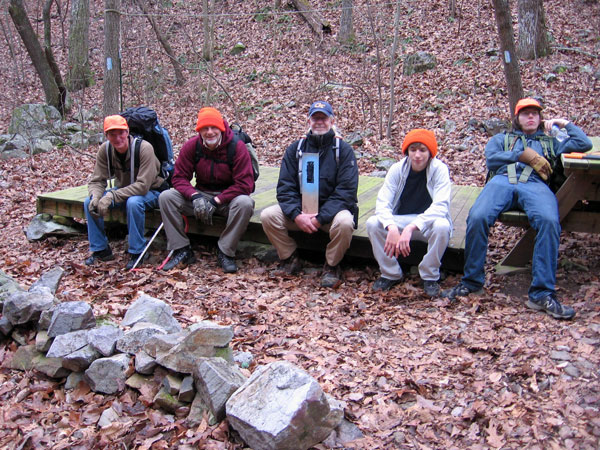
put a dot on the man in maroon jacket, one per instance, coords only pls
(223, 186)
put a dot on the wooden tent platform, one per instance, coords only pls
(69, 203)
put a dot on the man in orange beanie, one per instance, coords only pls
(224, 181)
(135, 192)
(413, 203)
(521, 172)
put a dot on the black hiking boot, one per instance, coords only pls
(331, 277)
(431, 288)
(100, 255)
(550, 305)
(133, 257)
(182, 256)
(384, 284)
(227, 263)
(460, 290)
(289, 266)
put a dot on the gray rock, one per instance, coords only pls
(494, 126)
(19, 336)
(68, 343)
(81, 359)
(281, 406)
(73, 380)
(45, 318)
(108, 417)
(108, 375)
(355, 139)
(238, 48)
(51, 367)
(560, 355)
(197, 411)
(8, 286)
(43, 225)
(104, 339)
(449, 126)
(186, 390)
(35, 121)
(378, 173)
(144, 363)
(22, 358)
(244, 359)
(50, 279)
(14, 146)
(550, 77)
(71, 316)
(137, 381)
(418, 62)
(42, 341)
(209, 333)
(151, 310)
(572, 371)
(172, 384)
(161, 344)
(385, 163)
(166, 401)
(134, 340)
(5, 326)
(24, 307)
(216, 380)
(345, 433)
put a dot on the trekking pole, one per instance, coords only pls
(186, 228)
(147, 245)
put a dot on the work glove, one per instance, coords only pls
(93, 206)
(537, 162)
(105, 203)
(203, 209)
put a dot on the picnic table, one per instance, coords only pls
(578, 209)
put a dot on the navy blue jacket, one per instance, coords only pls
(338, 182)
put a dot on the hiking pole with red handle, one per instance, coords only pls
(137, 261)
(185, 229)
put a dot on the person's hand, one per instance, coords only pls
(537, 162)
(392, 242)
(305, 223)
(93, 206)
(105, 203)
(549, 123)
(203, 209)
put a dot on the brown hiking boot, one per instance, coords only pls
(331, 277)
(289, 266)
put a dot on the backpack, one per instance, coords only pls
(143, 124)
(547, 143)
(238, 135)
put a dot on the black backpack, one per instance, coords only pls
(238, 135)
(143, 124)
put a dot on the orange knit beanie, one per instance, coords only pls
(210, 117)
(425, 137)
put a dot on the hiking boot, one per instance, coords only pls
(549, 304)
(100, 255)
(183, 256)
(384, 284)
(431, 288)
(227, 262)
(460, 290)
(290, 266)
(133, 257)
(331, 277)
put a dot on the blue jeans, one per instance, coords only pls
(541, 207)
(136, 207)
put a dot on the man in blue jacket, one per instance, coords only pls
(337, 203)
(522, 165)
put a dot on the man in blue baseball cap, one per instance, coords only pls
(336, 208)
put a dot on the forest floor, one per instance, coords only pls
(484, 372)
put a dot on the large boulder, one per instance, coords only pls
(418, 62)
(35, 121)
(108, 375)
(151, 310)
(24, 307)
(282, 406)
(71, 316)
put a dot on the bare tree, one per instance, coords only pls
(509, 56)
(208, 25)
(179, 78)
(376, 39)
(79, 75)
(392, 70)
(346, 34)
(112, 63)
(52, 91)
(533, 40)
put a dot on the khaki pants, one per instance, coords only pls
(238, 213)
(276, 226)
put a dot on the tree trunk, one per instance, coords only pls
(179, 78)
(346, 34)
(79, 75)
(36, 53)
(533, 37)
(208, 25)
(380, 96)
(392, 70)
(509, 56)
(312, 17)
(112, 65)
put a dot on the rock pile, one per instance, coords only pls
(278, 406)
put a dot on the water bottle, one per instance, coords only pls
(558, 133)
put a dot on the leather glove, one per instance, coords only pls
(537, 162)
(93, 206)
(203, 209)
(105, 203)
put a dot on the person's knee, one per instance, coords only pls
(441, 227)
(165, 198)
(268, 215)
(243, 203)
(372, 224)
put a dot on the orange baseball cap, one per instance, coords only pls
(527, 103)
(425, 137)
(115, 122)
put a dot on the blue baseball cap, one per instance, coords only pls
(320, 106)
